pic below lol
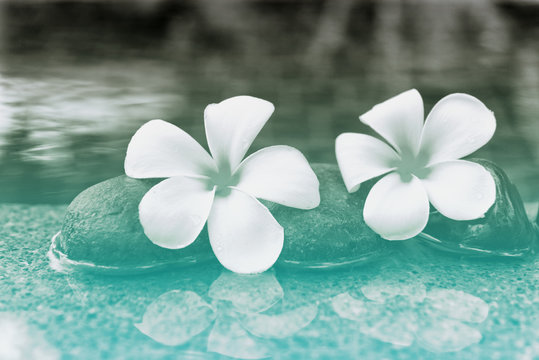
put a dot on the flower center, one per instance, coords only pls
(411, 165)
(223, 180)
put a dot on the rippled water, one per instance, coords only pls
(78, 78)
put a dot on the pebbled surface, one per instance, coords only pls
(88, 316)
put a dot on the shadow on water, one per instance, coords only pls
(78, 78)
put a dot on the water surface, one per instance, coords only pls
(78, 78)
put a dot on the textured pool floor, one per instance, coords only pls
(415, 304)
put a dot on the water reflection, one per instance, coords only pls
(175, 317)
(241, 308)
(400, 310)
(249, 316)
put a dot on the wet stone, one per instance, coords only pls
(101, 227)
(504, 230)
(332, 234)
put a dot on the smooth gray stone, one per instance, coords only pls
(504, 231)
(332, 234)
(102, 227)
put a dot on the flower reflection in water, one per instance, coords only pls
(242, 309)
(249, 317)
(400, 310)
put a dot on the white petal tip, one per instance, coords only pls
(130, 171)
(469, 217)
(252, 269)
(248, 271)
(409, 95)
(396, 210)
(167, 245)
(353, 189)
(244, 236)
(248, 100)
(397, 237)
(209, 107)
(365, 117)
(315, 196)
(315, 203)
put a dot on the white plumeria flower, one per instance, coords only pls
(420, 162)
(221, 189)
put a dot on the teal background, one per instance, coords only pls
(78, 78)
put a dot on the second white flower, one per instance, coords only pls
(420, 162)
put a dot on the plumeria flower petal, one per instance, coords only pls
(280, 174)
(395, 209)
(232, 125)
(222, 190)
(460, 190)
(159, 149)
(243, 234)
(362, 157)
(173, 212)
(399, 120)
(457, 126)
(422, 164)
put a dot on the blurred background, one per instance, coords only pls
(77, 78)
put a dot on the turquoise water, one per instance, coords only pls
(77, 79)
(418, 303)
